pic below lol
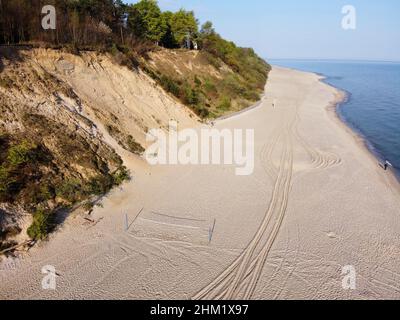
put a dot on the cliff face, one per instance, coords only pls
(126, 102)
(65, 120)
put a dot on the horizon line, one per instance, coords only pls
(335, 59)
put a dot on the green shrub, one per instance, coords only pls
(46, 192)
(121, 175)
(21, 153)
(190, 95)
(150, 73)
(40, 225)
(38, 193)
(202, 112)
(251, 95)
(170, 85)
(3, 183)
(209, 86)
(8, 183)
(70, 190)
(134, 146)
(99, 185)
(4, 174)
(87, 206)
(213, 60)
(243, 61)
(114, 49)
(233, 86)
(197, 81)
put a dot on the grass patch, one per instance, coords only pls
(224, 104)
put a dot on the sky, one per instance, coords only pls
(306, 29)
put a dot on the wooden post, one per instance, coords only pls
(126, 222)
(211, 231)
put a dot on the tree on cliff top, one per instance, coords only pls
(146, 21)
(183, 24)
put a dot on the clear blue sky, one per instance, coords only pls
(303, 28)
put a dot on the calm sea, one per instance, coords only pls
(373, 105)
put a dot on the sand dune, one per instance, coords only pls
(317, 201)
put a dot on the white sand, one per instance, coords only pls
(317, 201)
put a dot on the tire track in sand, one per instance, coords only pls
(319, 159)
(246, 270)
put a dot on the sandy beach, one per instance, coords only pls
(316, 202)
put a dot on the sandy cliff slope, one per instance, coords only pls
(121, 99)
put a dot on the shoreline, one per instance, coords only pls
(343, 96)
(341, 102)
(358, 136)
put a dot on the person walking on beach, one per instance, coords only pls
(274, 103)
(387, 165)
